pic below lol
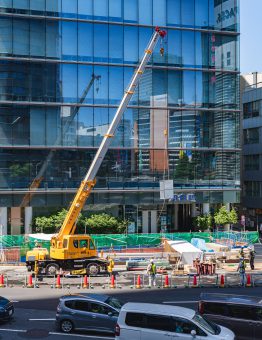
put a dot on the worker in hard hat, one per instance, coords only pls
(110, 266)
(151, 272)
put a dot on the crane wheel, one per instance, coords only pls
(52, 269)
(93, 269)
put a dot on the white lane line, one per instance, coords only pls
(13, 330)
(82, 336)
(193, 301)
(41, 319)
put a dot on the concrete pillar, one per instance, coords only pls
(145, 221)
(193, 209)
(28, 219)
(153, 221)
(3, 220)
(206, 208)
(15, 221)
(176, 217)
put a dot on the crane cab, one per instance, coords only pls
(73, 247)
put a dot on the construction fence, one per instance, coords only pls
(13, 248)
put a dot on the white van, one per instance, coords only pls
(146, 321)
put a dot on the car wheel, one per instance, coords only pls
(93, 269)
(66, 326)
(52, 268)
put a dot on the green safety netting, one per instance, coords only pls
(135, 240)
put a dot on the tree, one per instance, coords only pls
(104, 224)
(223, 216)
(203, 222)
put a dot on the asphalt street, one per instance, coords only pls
(35, 309)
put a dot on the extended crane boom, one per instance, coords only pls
(68, 250)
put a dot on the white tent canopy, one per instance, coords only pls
(187, 250)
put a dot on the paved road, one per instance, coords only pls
(35, 308)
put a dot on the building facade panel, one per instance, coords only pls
(64, 66)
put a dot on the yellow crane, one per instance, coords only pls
(68, 250)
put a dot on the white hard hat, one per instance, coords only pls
(151, 260)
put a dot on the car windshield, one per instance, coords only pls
(209, 326)
(113, 302)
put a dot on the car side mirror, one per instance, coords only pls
(110, 314)
(193, 333)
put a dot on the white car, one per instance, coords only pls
(146, 321)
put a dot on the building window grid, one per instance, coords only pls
(251, 109)
(251, 136)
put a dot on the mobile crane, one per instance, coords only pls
(77, 253)
(40, 175)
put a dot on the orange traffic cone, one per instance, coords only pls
(222, 281)
(2, 281)
(30, 282)
(85, 285)
(58, 282)
(248, 284)
(166, 282)
(194, 282)
(112, 285)
(138, 282)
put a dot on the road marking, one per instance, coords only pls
(13, 330)
(81, 336)
(41, 319)
(193, 301)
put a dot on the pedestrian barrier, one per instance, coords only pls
(256, 280)
(208, 280)
(232, 280)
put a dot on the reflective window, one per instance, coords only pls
(189, 94)
(88, 83)
(251, 109)
(21, 6)
(69, 40)
(188, 48)
(101, 43)
(21, 37)
(100, 124)
(173, 13)
(187, 13)
(145, 12)
(201, 13)
(85, 130)
(251, 136)
(6, 36)
(251, 162)
(37, 126)
(100, 9)
(202, 49)
(159, 12)
(130, 45)
(130, 10)
(85, 41)
(101, 92)
(53, 47)
(175, 88)
(53, 7)
(116, 44)
(69, 8)
(37, 7)
(37, 38)
(53, 126)
(69, 82)
(116, 78)
(174, 47)
(85, 9)
(115, 10)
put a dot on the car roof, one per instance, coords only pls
(231, 298)
(152, 308)
(97, 297)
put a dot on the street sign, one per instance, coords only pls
(166, 189)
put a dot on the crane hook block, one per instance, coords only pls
(162, 33)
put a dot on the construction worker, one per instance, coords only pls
(241, 252)
(242, 271)
(151, 272)
(110, 266)
(252, 259)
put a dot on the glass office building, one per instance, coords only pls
(63, 70)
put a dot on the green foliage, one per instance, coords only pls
(203, 222)
(104, 224)
(95, 224)
(224, 217)
(18, 170)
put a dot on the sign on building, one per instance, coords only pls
(166, 189)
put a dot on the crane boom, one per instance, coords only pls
(69, 224)
(40, 175)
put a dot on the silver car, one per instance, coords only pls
(92, 312)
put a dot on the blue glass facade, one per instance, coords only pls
(52, 50)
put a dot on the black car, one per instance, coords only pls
(241, 313)
(6, 309)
